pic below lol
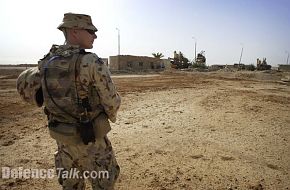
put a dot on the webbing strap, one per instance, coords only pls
(82, 94)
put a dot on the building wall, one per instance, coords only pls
(284, 68)
(135, 63)
(216, 67)
(167, 63)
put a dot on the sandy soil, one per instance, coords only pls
(175, 130)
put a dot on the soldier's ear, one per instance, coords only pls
(76, 31)
(71, 32)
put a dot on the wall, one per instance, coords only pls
(136, 63)
(284, 68)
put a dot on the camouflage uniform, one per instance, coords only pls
(64, 76)
(29, 86)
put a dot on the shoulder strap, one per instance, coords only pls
(82, 94)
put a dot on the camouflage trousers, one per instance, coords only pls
(95, 162)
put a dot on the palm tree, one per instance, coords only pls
(158, 55)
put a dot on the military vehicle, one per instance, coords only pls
(262, 65)
(200, 59)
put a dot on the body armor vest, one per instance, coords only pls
(62, 90)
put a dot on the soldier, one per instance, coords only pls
(79, 98)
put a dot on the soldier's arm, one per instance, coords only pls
(99, 74)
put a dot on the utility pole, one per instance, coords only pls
(118, 40)
(241, 55)
(118, 57)
(194, 49)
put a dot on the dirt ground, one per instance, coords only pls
(175, 130)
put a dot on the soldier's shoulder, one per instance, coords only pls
(53, 49)
(91, 58)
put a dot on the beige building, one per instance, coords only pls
(137, 63)
(284, 68)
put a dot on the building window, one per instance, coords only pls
(129, 64)
(140, 64)
(152, 65)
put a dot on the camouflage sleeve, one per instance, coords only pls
(99, 74)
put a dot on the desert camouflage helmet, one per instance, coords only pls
(81, 21)
(29, 86)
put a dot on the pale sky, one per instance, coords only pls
(220, 27)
